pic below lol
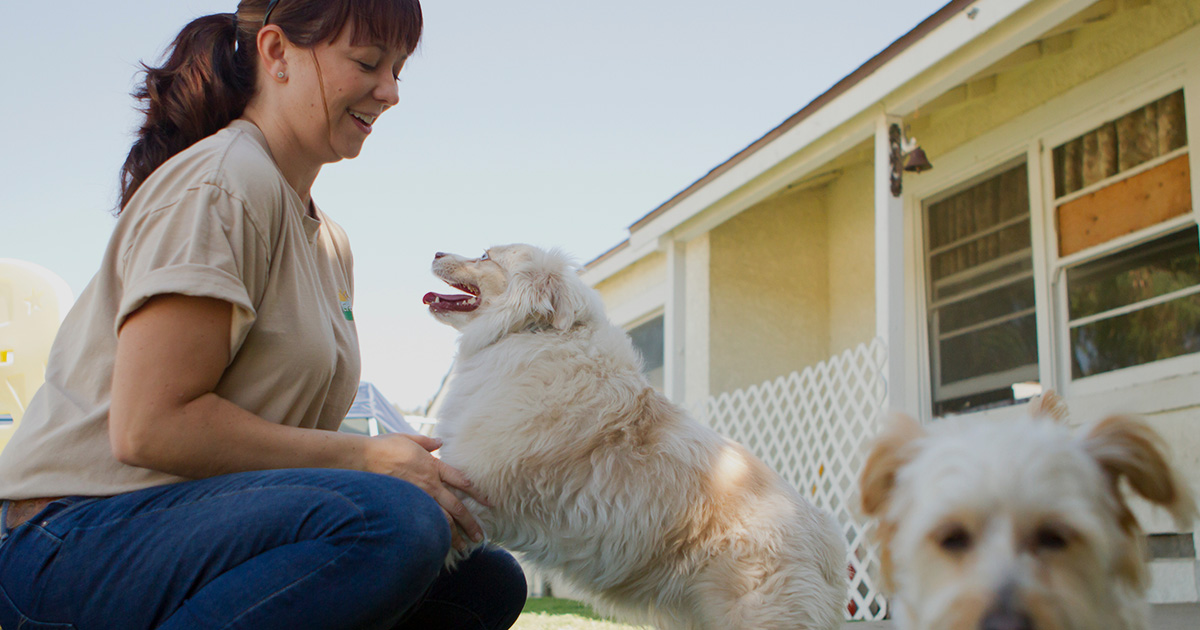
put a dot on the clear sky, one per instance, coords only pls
(553, 122)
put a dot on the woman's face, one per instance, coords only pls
(359, 84)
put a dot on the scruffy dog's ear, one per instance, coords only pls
(891, 450)
(894, 447)
(1127, 447)
(1049, 405)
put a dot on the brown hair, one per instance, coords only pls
(209, 73)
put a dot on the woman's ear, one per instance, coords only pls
(272, 51)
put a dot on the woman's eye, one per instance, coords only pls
(366, 66)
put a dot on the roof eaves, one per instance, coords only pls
(849, 81)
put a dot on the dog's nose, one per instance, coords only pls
(1006, 620)
(439, 255)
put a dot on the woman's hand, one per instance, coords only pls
(408, 457)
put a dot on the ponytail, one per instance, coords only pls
(206, 82)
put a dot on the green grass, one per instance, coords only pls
(549, 613)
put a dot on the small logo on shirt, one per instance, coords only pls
(344, 301)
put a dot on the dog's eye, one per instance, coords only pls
(1049, 539)
(955, 539)
(484, 256)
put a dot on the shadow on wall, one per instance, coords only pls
(33, 302)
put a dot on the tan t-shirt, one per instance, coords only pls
(218, 220)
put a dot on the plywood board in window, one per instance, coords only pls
(1127, 206)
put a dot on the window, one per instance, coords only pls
(1136, 306)
(648, 339)
(980, 294)
(1129, 304)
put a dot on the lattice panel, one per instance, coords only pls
(811, 427)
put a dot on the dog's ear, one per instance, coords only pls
(1049, 405)
(548, 290)
(890, 451)
(1127, 447)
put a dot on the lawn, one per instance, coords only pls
(548, 613)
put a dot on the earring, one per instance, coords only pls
(280, 74)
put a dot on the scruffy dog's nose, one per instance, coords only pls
(438, 255)
(1006, 620)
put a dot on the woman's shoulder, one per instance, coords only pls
(234, 164)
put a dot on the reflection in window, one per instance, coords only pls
(982, 322)
(648, 339)
(1137, 306)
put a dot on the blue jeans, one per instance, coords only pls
(287, 549)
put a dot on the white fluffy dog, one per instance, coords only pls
(595, 475)
(1017, 525)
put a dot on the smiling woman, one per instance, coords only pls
(187, 427)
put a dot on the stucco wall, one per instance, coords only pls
(851, 258)
(769, 282)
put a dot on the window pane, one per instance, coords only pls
(1158, 332)
(981, 344)
(1005, 300)
(1156, 268)
(648, 339)
(999, 348)
(1022, 266)
(1121, 144)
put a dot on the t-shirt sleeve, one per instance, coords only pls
(205, 245)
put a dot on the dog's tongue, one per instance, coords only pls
(457, 302)
(432, 297)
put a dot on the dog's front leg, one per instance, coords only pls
(482, 515)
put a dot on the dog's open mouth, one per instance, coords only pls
(457, 302)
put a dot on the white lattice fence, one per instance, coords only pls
(811, 427)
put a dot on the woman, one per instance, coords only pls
(181, 467)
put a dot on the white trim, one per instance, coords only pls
(1042, 238)
(675, 322)
(889, 267)
(1144, 235)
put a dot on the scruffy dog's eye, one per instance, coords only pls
(954, 539)
(484, 256)
(1049, 539)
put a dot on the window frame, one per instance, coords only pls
(1158, 386)
(932, 360)
(1119, 381)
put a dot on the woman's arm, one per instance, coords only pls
(171, 354)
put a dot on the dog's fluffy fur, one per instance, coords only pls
(1017, 524)
(595, 475)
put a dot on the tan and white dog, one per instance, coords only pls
(1017, 525)
(595, 475)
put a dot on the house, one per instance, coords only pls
(1052, 245)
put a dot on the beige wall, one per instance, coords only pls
(769, 282)
(852, 258)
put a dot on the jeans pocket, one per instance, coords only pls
(11, 617)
